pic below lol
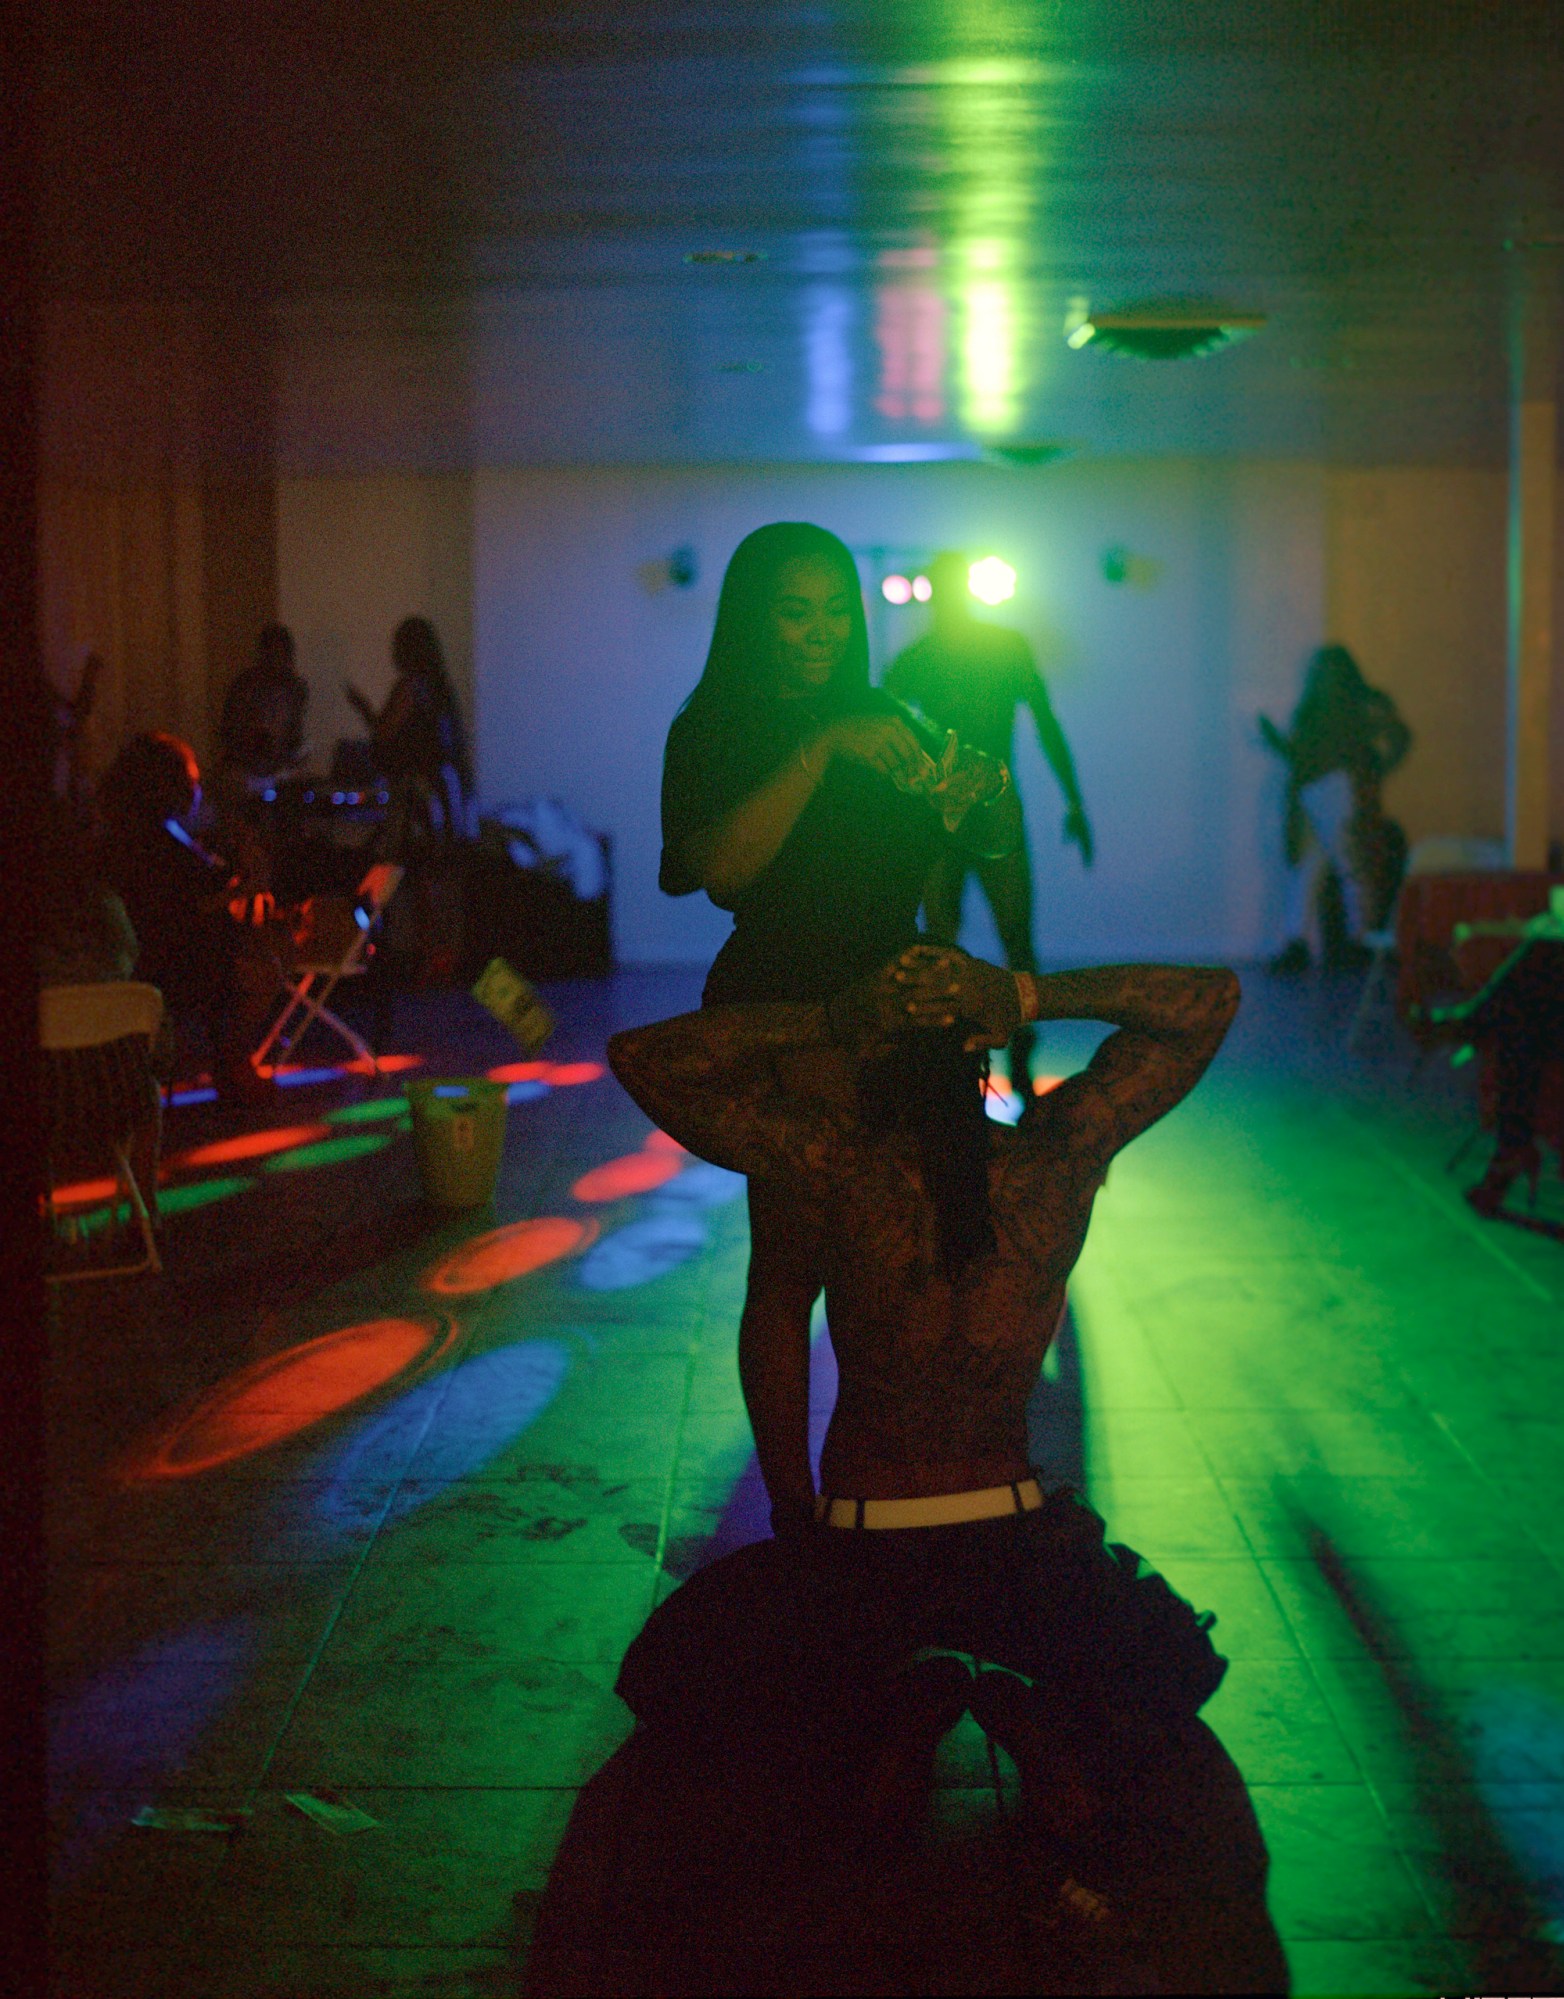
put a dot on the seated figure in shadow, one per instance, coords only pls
(1518, 1019)
(759, 1830)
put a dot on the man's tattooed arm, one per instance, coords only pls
(710, 1080)
(1171, 1020)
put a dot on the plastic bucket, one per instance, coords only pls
(458, 1137)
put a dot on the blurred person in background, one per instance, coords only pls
(970, 676)
(1344, 740)
(420, 741)
(199, 923)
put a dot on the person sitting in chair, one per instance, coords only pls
(937, 1570)
(193, 916)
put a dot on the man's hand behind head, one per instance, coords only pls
(939, 986)
(929, 986)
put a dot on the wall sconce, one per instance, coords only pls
(677, 571)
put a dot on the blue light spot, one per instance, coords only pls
(645, 1249)
(295, 1077)
(445, 1428)
(526, 1093)
(202, 1096)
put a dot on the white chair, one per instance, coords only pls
(319, 967)
(1438, 854)
(97, 1099)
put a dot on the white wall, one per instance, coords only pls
(1238, 570)
(1157, 681)
(1416, 566)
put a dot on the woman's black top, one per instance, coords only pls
(841, 896)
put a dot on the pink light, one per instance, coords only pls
(635, 1173)
(249, 1145)
(286, 1393)
(520, 1072)
(896, 590)
(84, 1193)
(503, 1254)
(564, 1074)
(660, 1141)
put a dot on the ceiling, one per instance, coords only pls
(472, 224)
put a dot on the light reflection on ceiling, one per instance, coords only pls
(500, 273)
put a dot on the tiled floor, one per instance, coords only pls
(1306, 1382)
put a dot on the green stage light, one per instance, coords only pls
(992, 580)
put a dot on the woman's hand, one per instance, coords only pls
(881, 743)
(937, 986)
(1077, 827)
(966, 779)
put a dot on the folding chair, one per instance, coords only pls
(320, 965)
(98, 1092)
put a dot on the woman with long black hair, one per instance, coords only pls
(803, 800)
(419, 739)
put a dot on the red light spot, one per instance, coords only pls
(249, 1145)
(635, 1173)
(1041, 1085)
(659, 1141)
(391, 1065)
(83, 1193)
(563, 1074)
(506, 1253)
(286, 1393)
(520, 1072)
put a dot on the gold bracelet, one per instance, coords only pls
(1029, 996)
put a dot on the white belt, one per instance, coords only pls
(943, 1509)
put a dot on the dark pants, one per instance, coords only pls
(784, 1650)
(1521, 1017)
(716, 1851)
(1007, 882)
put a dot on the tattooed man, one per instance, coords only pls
(936, 1570)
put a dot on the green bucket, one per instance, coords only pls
(458, 1137)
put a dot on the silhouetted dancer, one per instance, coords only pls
(790, 1697)
(261, 733)
(971, 676)
(1344, 740)
(420, 742)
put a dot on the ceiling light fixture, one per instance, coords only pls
(991, 581)
(1174, 331)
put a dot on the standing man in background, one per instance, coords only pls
(970, 676)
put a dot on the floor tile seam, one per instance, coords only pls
(1090, 1398)
(1374, 1786)
(318, 1651)
(1448, 1209)
(665, 1514)
(1552, 1558)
